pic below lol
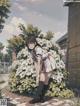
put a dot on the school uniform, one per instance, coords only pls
(47, 65)
(48, 62)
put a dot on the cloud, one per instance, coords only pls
(35, 1)
(19, 6)
(16, 21)
(11, 29)
(46, 14)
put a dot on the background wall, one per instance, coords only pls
(74, 45)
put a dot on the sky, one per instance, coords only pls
(46, 14)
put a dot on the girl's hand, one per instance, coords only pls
(49, 54)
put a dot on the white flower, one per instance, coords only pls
(58, 77)
(22, 75)
(23, 53)
(24, 65)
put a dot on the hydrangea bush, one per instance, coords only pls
(23, 74)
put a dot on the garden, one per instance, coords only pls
(23, 74)
(19, 86)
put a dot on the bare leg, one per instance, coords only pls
(47, 77)
(42, 77)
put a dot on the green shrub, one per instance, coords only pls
(28, 85)
(59, 90)
(23, 73)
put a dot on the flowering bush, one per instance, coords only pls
(23, 74)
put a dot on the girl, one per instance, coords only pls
(43, 67)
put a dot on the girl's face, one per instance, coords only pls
(31, 45)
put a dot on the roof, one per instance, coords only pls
(64, 37)
(68, 2)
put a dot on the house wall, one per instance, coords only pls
(73, 54)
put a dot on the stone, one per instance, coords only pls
(67, 104)
(14, 102)
(49, 105)
(69, 101)
(58, 103)
(22, 104)
(17, 98)
(36, 105)
(45, 103)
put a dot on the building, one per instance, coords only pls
(62, 42)
(73, 48)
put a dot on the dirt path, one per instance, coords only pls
(19, 100)
(15, 98)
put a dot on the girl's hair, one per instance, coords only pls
(31, 39)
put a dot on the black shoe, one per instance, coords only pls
(35, 100)
(44, 90)
(38, 97)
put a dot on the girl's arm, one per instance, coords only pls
(38, 68)
(38, 63)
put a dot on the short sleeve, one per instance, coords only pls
(38, 51)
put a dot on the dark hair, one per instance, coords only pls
(31, 39)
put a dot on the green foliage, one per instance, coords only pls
(1, 56)
(21, 85)
(15, 43)
(28, 85)
(1, 46)
(4, 10)
(29, 31)
(49, 35)
(18, 42)
(60, 90)
(22, 76)
(0, 95)
(12, 81)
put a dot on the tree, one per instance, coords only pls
(16, 43)
(49, 35)
(30, 30)
(4, 10)
(1, 46)
(1, 56)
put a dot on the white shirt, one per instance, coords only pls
(49, 62)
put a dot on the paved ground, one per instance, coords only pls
(4, 77)
(18, 100)
(53, 102)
